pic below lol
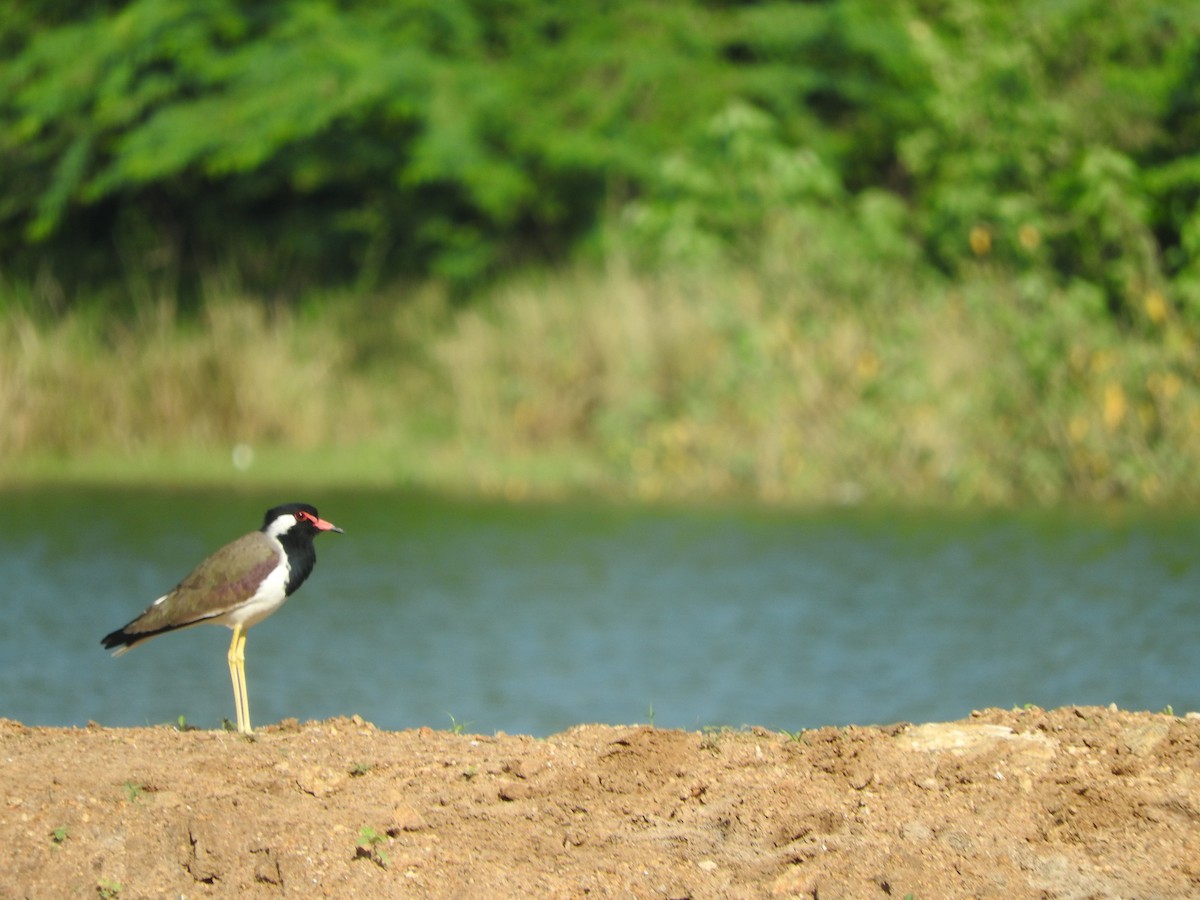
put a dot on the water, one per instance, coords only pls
(533, 619)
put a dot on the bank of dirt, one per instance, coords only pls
(1082, 802)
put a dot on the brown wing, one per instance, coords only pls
(219, 584)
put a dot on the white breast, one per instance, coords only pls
(268, 598)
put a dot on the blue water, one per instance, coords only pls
(531, 619)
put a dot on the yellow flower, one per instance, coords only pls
(1029, 237)
(1115, 406)
(981, 240)
(867, 365)
(1165, 386)
(1156, 307)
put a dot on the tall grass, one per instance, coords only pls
(684, 385)
(732, 384)
(79, 384)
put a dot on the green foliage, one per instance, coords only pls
(306, 142)
(797, 382)
(723, 193)
(782, 235)
(413, 137)
(1033, 158)
(370, 845)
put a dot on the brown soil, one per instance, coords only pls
(1087, 802)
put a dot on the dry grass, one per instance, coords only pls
(692, 386)
(687, 386)
(238, 374)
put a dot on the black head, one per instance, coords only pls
(297, 520)
(295, 525)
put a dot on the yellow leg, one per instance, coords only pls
(237, 671)
(244, 725)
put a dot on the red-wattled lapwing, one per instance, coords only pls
(239, 586)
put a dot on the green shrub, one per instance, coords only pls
(302, 145)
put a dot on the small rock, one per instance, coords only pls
(861, 779)
(1142, 741)
(961, 739)
(266, 867)
(522, 768)
(957, 840)
(916, 832)
(406, 818)
(515, 790)
(321, 781)
(796, 882)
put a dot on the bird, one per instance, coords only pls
(237, 586)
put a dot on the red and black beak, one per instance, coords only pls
(318, 523)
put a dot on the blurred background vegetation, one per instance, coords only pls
(929, 251)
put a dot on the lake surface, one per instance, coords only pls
(530, 619)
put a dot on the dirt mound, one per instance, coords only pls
(1072, 803)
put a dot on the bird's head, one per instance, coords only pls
(296, 518)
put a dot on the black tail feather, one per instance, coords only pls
(122, 639)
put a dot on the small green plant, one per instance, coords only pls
(369, 846)
(181, 724)
(1167, 710)
(470, 772)
(712, 735)
(651, 715)
(359, 769)
(457, 727)
(796, 736)
(59, 835)
(107, 888)
(133, 791)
